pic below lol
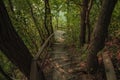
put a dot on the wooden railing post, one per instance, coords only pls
(36, 72)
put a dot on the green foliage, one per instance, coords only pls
(2, 77)
(65, 16)
(73, 22)
(114, 29)
(6, 66)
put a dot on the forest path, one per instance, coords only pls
(60, 57)
(67, 66)
(62, 62)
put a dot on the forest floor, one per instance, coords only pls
(65, 62)
(112, 48)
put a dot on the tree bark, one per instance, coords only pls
(35, 23)
(83, 23)
(88, 21)
(100, 33)
(12, 45)
(57, 19)
(68, 13)
(30, 38)
(48, 18)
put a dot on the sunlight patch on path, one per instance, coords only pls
(59, 36)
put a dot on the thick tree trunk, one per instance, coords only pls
(100, 33)
(12, 45)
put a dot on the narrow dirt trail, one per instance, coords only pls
(64, 65)
(60, 58)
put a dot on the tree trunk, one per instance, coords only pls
(30, 38)
(48, 18)
(68, 13)
(12, 45)
(100, 33)
(88, 21)
(35, 23)
(83, 23)
(57, 19)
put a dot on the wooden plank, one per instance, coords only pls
(109, 69)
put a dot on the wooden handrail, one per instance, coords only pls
(36, 73)
(43, 47)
